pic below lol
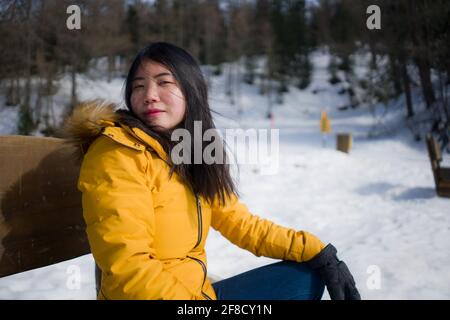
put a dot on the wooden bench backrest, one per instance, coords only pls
(434, 153)
(41, 221)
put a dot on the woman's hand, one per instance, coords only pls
(336, 275)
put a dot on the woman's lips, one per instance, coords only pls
(153, 112)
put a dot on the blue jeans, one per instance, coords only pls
(285, 280)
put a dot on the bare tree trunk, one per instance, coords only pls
(237, 81)
(269, 89)
(48, 100)
(229, 84)
(73, 98)
(17, 88)
(444, 96)
(111, 67)
(419, 36)
(12, 96)
(180, 22)
(407, 89)
(26, 104)
(425, 79)
(395, 74)
(38, 104)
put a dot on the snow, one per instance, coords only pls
(8, 120)
(377, 204)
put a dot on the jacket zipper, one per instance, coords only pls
(200, 225)
(204, 275)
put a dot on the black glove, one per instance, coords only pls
(338, 279)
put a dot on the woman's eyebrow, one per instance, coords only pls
(138, 78)
(163, 74)
(157, 76)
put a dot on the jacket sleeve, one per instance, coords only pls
(118, 210)
(260, 236)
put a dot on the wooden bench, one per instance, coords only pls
(41, 220)
(441, 174)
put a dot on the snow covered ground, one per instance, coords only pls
(377, 204)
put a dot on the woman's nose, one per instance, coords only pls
(152, 92)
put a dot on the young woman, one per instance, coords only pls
(148, 218)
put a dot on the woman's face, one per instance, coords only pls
(156, 97)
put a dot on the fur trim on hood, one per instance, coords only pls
(89, 119)
(86, 123)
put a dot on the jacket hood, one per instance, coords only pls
(90, 119)
(86, 123)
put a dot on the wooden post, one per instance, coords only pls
(344, 142)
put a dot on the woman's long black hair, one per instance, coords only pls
(209, 180)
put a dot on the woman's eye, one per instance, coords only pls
(138, 86)
(163, 83)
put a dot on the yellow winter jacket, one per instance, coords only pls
(147, 232)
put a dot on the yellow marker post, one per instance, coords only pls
(325, 127)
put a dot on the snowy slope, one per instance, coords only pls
(377, 205)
